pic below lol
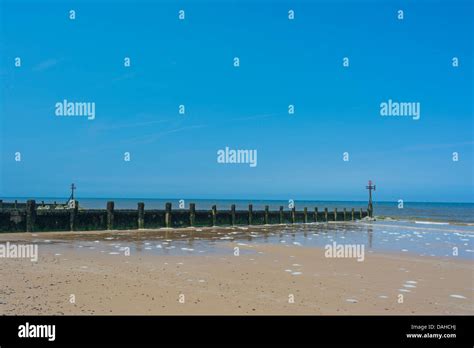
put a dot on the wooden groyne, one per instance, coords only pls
(33, 217)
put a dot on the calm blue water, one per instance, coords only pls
(444, 212)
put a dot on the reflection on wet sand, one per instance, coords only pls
(426, 240)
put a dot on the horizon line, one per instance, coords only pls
(238, 199)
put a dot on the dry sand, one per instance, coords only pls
(252, 283)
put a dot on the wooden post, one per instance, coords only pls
(326, 214)
(110, 215)
(168, 215)
(214, 215)
(250, 213)
(1, 204)
(30, 215)
(192, 214)
(16, 202)
(305, 213)
(370, 208)
(72, 216)
(266, 214)
(42, 203)
(315, 214)
(361, 213)
(344, 214)
(232, 214)
(141, 215)
(293, 215)
(281, 214)
(353, 212)
(335, 214)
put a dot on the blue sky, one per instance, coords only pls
(283, 62)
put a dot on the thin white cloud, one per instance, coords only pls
(46, 64)
(421, 147)
(253, 117)
(108, 127)
(154, 137)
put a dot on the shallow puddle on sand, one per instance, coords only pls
(437, 240)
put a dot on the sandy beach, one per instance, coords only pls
(82, 276)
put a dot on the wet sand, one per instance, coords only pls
(261, 280)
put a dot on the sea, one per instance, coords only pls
(460, 213)
(423, 229)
